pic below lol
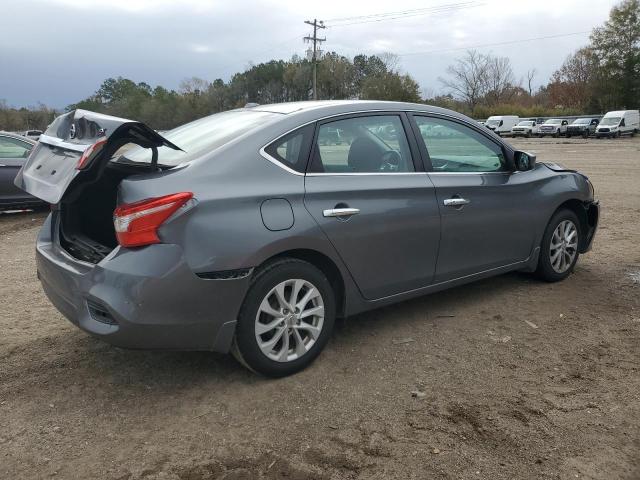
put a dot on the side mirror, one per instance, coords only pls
(524, 161)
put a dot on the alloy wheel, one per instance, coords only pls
(289, 320)
(564, 246)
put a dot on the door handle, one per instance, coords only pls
(340, 212)
(456, 202)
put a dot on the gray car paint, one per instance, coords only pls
(404, 243)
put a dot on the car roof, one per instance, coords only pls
(17, 136)
(318, 109)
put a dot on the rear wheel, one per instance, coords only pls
(286, 319)
(559, 248)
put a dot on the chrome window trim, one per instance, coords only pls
(470, 173)
(361, 174)
(288, 169)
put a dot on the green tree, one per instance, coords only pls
(617, 47)
(391, 86)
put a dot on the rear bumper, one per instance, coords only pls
(145, 298)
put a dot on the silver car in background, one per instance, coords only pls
(251, 230)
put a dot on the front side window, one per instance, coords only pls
(14, 148)
(453, 147)
(375, 144)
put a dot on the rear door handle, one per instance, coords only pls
(340, 212)
(456, 202)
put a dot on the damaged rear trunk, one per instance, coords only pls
(71, 168)
(86, 214)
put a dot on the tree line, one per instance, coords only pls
(604, 75)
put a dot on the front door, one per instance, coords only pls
(378, 211)
(485, 207)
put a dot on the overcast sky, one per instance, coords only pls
(59, 51)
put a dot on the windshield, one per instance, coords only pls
(494, 121)
(610, 121)
(582, 121)
(201, 136)
(553, 121)
(525, 124)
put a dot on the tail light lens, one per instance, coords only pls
(90, 153)
(137, 224)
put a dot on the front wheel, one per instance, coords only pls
(286, 319)
(559, 248)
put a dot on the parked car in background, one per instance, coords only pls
(554, 127)
(14, 150)
(582, 127)
(525, 128)
(246, 231)
(32, 134)
(502, 124)
(617, 123)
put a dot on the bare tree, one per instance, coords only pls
(481, 78)
(468, 78)
(530, 76)
(391, 61)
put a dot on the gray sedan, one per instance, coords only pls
(14, 150)
(251, 230)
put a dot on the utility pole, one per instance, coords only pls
(314, 57)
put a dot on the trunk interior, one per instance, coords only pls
(86, 214)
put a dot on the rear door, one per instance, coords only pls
(13, 155)
(484, 206)
(75, 144)
(374, 205)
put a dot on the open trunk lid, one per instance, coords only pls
(80, 143)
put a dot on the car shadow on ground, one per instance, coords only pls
(73, 354)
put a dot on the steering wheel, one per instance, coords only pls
(390, 161)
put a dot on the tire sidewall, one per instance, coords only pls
(545, 270)
(265, 280)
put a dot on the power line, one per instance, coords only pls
(383, 17)
(508, 42)
(316, 41)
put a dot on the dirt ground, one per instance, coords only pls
(522, 379)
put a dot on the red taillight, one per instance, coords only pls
(91, 151)
(137, 224)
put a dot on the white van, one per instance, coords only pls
(501, 124)
(621, 122)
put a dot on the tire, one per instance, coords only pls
(568, 135)
(554, 266)
(618, 134)
(557, 134)
(585, 134)
(282, 358)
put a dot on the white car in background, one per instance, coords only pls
(617, 123)
(525, 128)
(554, 127)
(502, 124)
(32, 134)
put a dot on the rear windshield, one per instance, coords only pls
(201, 136)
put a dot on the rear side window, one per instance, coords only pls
(292, 150)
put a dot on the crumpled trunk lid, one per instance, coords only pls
(53, 164)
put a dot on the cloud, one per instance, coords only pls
(71, 46)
